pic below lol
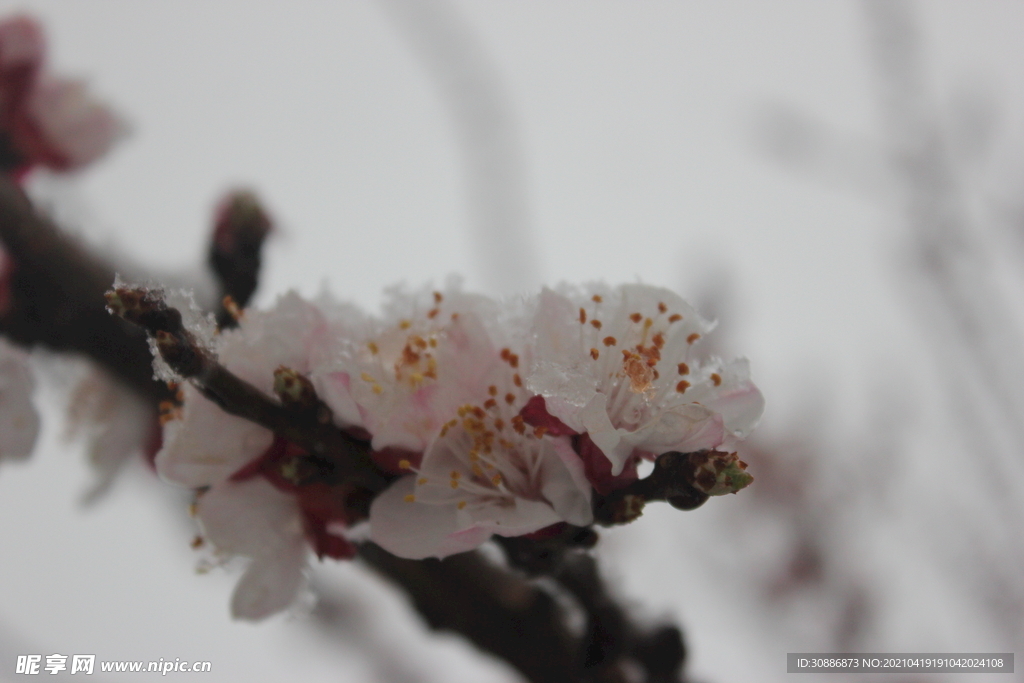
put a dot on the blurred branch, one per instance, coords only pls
(610, 635)
(470, 86)
(55, 297)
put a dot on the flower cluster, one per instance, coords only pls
(491, 419)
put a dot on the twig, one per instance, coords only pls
(348, 456)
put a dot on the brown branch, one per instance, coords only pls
(674, 479)
(313, 430)
(611, 636)
(56, 297)
(495, 609)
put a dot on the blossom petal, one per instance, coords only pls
(250, 518)
(271, 583)
(565, 485)
(207, 445)
(419, 530)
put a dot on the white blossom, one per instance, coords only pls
(206, 447)
(620, 366)
(404, 375)
(485, 473)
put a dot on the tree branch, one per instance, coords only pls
(56, 297)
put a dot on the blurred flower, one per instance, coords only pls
(19, 421)
(46, 120)
(115, 424)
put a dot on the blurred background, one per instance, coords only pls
(840, 184)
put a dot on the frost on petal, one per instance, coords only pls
(208, 445)
(271, 583)
(412, 370)
(620, 366)
(19, 421)
(264, 340)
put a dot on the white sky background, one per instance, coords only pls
(636, 126)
